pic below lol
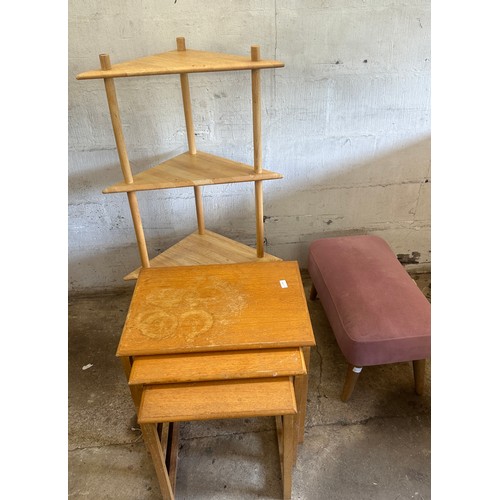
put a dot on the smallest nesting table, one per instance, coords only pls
(216, 326)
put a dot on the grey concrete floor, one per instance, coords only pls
(376, 446)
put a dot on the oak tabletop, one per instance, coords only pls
(217, 308)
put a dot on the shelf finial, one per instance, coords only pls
(181, 43)
(105, 61)
(255, 52)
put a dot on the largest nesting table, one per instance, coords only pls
(196, 334)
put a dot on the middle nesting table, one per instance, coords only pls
(218, 323)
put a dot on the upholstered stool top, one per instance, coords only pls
(377, 312)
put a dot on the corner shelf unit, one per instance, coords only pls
(192, 168)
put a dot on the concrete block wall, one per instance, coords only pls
(346, 121)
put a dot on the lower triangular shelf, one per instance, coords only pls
(204, 249)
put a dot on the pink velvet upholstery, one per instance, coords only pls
(377, 313)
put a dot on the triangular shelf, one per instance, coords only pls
(204, 249)
(187, 170)
(193, 168)
(178, 62)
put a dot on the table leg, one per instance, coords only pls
(288, 454)
(301, 385)
(286, 432)
(135, 390)
(153, 445)
(172, 452)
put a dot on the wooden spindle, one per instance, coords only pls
(114, 112)
(256, 112)
(153, 445)
(200, 217)
(188, 116)
(257, 152)
(181, 43)
(139, 230)
(186, 101)
(109, 85)
(301, 384)
(259, 217)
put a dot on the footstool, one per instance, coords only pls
(377, 312)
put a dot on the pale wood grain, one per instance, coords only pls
(188, 116)
(200, 216)
(287, 448)
(153, 445)
(135, 391)
(301, 387)
(259, 218)
(256, 111)
(172, 453)
(216, 308)
(257, 152)
(186, 101)
(180, 61)
(138, 229)
(217, 400)
(289, 451)
(114, 113)
(124, 161)
(180, 368)
(188, 170)
(209, 248)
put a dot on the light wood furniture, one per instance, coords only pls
(203, 249)
(217, 308)
(193, 168)
(214, 400)
(217, 341)
(179, 368)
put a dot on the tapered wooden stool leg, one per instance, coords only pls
(350, 381)
(153, 445)
(313, 293)
(419, 375)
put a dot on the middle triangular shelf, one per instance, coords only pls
(192, 170)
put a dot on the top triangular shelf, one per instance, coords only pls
(180, 61)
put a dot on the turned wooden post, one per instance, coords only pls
(257, 152)
(109, 85)
(188, 116)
